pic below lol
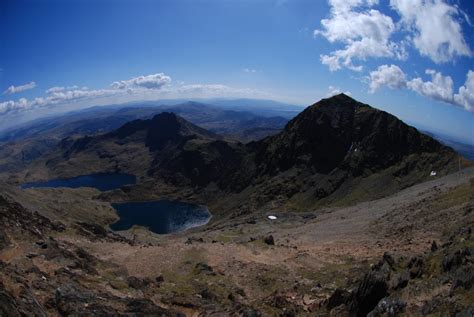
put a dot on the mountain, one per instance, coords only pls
(225, 119)
(231, 122)
(21, 146)
(260, 107)
(336, 151)
(166, 147)
(463, 148)
(339, 141)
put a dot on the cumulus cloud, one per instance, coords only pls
(154, 81)
(55, 96)
(10, 105)
(16, 89)
(465, 95)
(364, 31)
(439, 88)
(60, 88)
(138, 88)
(71, 94)
(391, 76)
(435, 28)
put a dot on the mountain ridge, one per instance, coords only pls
(335, 149)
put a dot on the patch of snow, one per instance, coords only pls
(271, 217)
(433, 173)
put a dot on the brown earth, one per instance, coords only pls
(227, 268)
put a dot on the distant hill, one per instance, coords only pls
(261, 107)
(464, 149)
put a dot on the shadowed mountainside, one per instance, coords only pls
(333, 146)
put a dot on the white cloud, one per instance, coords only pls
(154, 81)
(61, 88)
(331, 61)
(435, 28)
(465, 95)
(54, 97)
(250, 70)
(365, 32)
(391, 76)
(439, 87)
(150, 87)
(10, 105)
(16, 89)
(55, 89)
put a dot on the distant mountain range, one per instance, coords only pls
(26, 143)
(464, 149)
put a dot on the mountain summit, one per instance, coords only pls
(340, 132)
(339, 143)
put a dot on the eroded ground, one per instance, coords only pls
(233, 267)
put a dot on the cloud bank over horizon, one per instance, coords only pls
(138, 88)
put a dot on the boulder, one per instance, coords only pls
(389, 307)
(269, 240)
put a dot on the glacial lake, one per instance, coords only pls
(161, 216)
(101, 181)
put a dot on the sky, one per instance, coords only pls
(412, 58)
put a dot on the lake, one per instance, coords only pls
(162, 216)
(101, 181)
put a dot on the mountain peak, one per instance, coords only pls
(342, 96)
(165, 116)
(340, 100)
(342, 133)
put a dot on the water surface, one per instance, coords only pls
(101, 181)
(161, 216)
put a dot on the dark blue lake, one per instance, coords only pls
(162, 216)
(101, 181)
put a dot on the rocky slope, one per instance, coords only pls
(41, 276)
(376, 258)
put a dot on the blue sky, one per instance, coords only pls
(411, 61)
